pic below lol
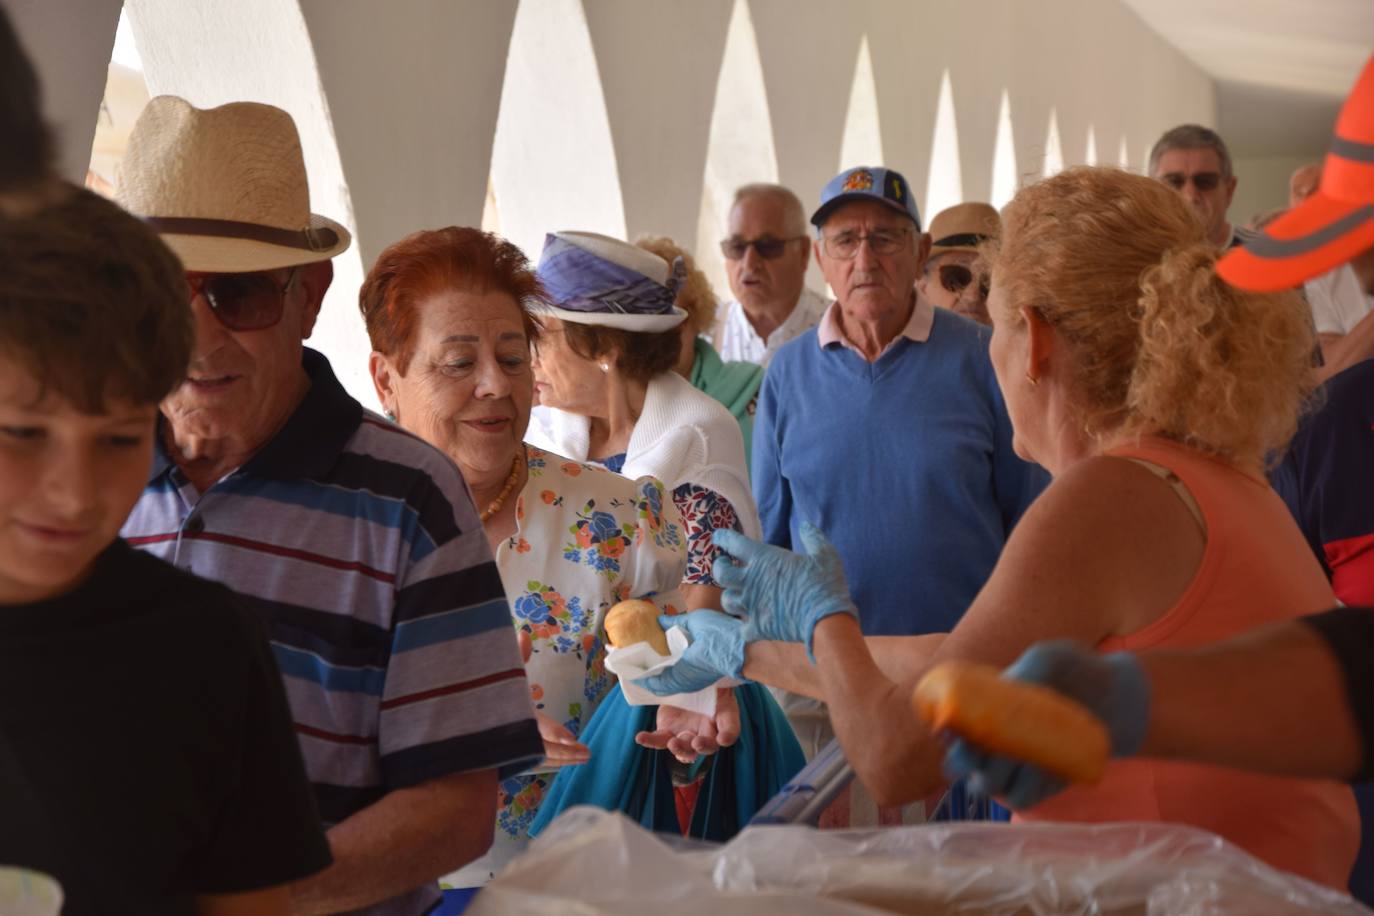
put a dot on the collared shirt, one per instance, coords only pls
(1338, 303)
(917, 328)
(359, 546)
(737, 341)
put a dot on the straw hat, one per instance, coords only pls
(963, 227)
(225, 187)
(1332, 225)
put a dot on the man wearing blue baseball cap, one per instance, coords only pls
(886, 418)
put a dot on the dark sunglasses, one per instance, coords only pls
(768, 248)
(957, 277)
(1203, 181)
(243, 302)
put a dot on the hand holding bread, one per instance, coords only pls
(1016, 719)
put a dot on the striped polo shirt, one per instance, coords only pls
(359, 545)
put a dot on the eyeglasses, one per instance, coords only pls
(956, 278)
(243, 302)
(767, 247)
(1203, 181)
(845, 245)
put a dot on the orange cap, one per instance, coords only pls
(1330, 227)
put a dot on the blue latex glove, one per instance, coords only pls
(716, 651)
(781, 595)
(1112, 687)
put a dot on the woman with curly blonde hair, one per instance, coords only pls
(1154, 393)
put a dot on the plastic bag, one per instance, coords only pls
(593, 862)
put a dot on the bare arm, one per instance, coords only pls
(785, 665)
(272, 901)
(1106, 549)
(1224, 704)
(1341, 351)
(697, 596)
(409, 838)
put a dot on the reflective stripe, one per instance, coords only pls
(1266, 246)
(1352, 149)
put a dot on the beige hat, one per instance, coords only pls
(963, 227)
(225, 187)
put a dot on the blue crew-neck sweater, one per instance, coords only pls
(906, 463)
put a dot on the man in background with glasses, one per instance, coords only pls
(766, 256)
(1194, 161)
(887, 418)
(953, 277)
(356, 543)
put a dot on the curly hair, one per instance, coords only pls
(1159, 345)
(426, 262)
(93, 304)
(696, 297)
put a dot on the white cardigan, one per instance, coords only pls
(682, 436)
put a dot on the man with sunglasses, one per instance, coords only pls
(953, 277)
(1194, 161)
(355, 542)
(766, 255)
(885, 426)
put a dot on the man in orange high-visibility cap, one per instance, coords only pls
(1332, 228)
(1333, 225)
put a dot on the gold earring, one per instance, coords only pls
(1032, 379)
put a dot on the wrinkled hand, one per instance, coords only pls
(782, 595)
(560, 747)
(716, 651)
(1113, 687)
(688, 734)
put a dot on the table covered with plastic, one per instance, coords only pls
(591, 861)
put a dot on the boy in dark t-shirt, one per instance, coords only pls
(147, 759)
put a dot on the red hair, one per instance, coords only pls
(426, 262)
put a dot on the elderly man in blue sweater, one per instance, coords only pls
(884, 426)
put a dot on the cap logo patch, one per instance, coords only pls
(861, 180)
(896, 189)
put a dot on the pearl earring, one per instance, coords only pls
(605, 367)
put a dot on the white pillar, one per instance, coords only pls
(659, 61)
(413, 92)
(69, 42)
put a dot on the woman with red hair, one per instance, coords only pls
(449, 316)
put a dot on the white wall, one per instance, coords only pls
(607, 114)
(1262, 183)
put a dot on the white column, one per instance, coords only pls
(69, 42)
(659, 60)
(413, 90)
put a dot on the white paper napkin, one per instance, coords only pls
(640, 660)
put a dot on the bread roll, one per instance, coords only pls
(1015, 719)
(635, 621)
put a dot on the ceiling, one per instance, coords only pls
(1281, 67)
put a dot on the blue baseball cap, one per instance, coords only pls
(867, 183)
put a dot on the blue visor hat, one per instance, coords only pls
(867, 183)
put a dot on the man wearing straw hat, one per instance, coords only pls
(953, 277)
(356, 542)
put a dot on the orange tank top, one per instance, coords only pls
(1256, 568)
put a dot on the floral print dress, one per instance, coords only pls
(585, 539)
